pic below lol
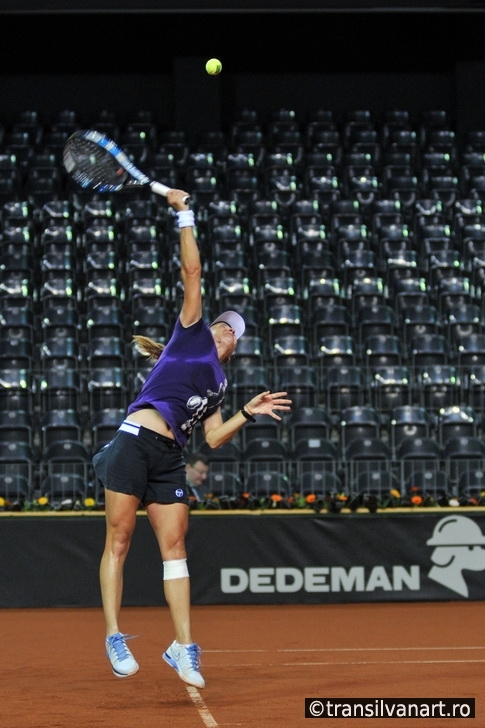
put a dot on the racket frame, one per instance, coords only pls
(112, 148)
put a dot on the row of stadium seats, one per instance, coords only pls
(353, 246)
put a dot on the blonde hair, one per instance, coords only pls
(152, 349)
(149, 348)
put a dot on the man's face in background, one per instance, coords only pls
(197, 473)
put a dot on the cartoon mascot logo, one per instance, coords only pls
(458, 545)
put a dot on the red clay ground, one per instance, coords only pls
(259, 662)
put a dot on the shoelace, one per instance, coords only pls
(194, 652)
(118, 643)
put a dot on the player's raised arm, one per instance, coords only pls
(191, 266)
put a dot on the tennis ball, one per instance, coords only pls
(213, 66)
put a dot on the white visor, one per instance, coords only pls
(234, 320)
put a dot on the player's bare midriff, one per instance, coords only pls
(152, 420)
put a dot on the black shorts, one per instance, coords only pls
(140, 462)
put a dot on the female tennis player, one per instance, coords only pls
(144, 462)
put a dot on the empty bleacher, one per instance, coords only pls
(354, 245)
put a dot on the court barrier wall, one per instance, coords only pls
(53, 561)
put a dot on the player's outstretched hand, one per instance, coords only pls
(266, 402)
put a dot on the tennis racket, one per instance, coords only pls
(96, 162)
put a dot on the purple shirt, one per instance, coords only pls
(187, 383)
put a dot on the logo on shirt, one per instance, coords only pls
(199, 405)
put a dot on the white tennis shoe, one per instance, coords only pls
(185, 659)
(122, 661)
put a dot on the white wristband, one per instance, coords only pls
(185, 218)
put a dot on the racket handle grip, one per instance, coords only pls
(159, 189)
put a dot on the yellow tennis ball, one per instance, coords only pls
(213, 66)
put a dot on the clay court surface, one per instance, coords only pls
(259, 662)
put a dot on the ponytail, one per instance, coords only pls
(148, 347)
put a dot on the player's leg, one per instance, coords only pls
(170, 523)
(120, 523)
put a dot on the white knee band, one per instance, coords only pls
(175, 569)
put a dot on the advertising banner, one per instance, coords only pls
(403, 557)
(255, 559)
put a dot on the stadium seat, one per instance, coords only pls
(268, 488)
(408, 421)
(224, 459)
(18, 426)
(15, 489)
(461, 454)
(320, 483)
(264, 453)
(305, 423)
(59, 425)
(107, 388)
(247, 381)
(438, 386)
(300, 382)
(429, 487)
(66, 457)
(265, 427)
(459, 421)
(358, 422)
(17, 459)
(376, 488)
(223, 487)
(344, 386)
(365, 455)
(64, 490)
(315, 455)
(103, 426)
(17, 389)
(390, 387)
(417, 453)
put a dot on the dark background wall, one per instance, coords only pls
(128, 59)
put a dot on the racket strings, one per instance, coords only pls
(92, 166)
